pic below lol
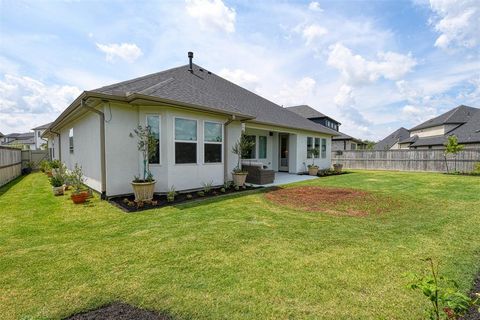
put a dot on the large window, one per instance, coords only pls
(153, 122)
(213, 138)
(251, 154)
(309, 147)
(70, 138)
(324, 148)
(185, 141)
(262, 147)
(317, 146)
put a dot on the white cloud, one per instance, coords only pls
(312, 32)
(125, 51)
(212, 14)
(26, 102)
(345, 101)
(458, 23)
(298, 93)
(20, 94)
(240, 77)
(418, 114)
(314, 6)
(357, 70)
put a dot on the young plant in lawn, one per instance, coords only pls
(452, 147)
(241, 148)
(446, 301)
(144, 187)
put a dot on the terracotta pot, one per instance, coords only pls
(143, 191)
(78, 198)
(58, 191)
(49, 174)
(313, 171)
(239, 178)
(337, 167)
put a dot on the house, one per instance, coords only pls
(392, 141)
(196, 117)
(462, 121)
(340, 142)
(38, 131)
(24, 140)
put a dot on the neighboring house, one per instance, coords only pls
(196, 118)
(392, 141)
(341, 142)
(462, 121)
(38, 131)
(25, 140)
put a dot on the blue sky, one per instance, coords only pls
(372, 65)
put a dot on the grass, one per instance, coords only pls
(240, 257)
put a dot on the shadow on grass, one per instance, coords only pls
(11, 184)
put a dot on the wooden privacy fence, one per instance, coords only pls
(10, 164)
(35, 156)
(407, 160)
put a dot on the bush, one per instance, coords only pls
(57, 181)
(201, 194)
(171, 194)
(476, 168)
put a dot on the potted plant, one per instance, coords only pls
(337, 167)
(76, 179)
(312, 168)
(57, 185)
(242, 147)
(144, 187)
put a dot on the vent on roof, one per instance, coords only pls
(190, 58)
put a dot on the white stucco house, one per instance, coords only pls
(38, 131)
(196, 116)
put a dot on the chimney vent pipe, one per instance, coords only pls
(190, 58)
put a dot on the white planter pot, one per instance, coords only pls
(313, 171)
(143, 190)
(239, 178)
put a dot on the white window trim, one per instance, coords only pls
(186, 141)
(213, 142)
(71, 141)
(326, 148)
(306, 145)
(159, 137)
(319, 146)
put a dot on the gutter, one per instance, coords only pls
(225, 144)
(102, 146)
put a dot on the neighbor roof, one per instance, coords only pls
(344, 136)
(43, 126)
(204, 88)
(396, 136)
(458, 115)
(308, 112)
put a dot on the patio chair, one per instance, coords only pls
(257, 174)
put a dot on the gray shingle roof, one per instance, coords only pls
(429, 141)
(460, 114)
(344, 136)
(306, 111)
(43, 126)
(470, 131)
(203, 88)
(396, 136)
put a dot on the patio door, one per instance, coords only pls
(283, 156)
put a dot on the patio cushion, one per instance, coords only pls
(257, 175)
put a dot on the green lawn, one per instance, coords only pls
(240, 257)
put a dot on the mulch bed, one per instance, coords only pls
(473, 313)
(119, 311)
(336, 201)
(126, 203)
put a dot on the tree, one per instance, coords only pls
(147, 145)
(242, 147)
(369, 144)
(452, 147)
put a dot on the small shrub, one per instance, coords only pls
(227, 185)
(57, 181)
(201, 194)
(154, 203)
(476, 168)
(44, 165)
(126, 201)
(222, 190)
(189, 196)
(55, 164)
(207, 187)
(237, 188)
(171, 194)
(447, 302)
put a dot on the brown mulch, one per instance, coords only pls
(473, 313)
(119, 311)
(336, 201)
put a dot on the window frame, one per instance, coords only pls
(323, 143)
(254, 149)
(71, 145)
(266, 147)
(309, 154)
(213, 142)
(159, 137)
(184, 141)
(315, 139)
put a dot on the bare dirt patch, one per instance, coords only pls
(119, 311)
(336, 201)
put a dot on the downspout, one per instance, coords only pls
(102, 146)
(225, 138)
(59, 144)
